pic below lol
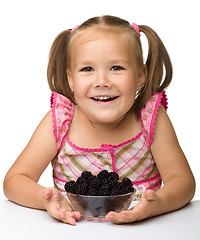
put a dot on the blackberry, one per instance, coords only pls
(82, 180)
(113, 176)
(112, 184)
(86, 174)
(104, 192)
(105, 187)
(92, 178)
(102, 174)
(104, 181)
(70, 186)
(104, 184)
(81, 189)
(92, 192)
(115, 191)
(126, 182)
(127, 189)
(95, 183)
(116, 184)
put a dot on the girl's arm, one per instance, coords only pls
(20, 183)
(179, 183)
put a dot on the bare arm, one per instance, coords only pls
(179, 183)
(20, 183)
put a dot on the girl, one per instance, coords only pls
(108, 112)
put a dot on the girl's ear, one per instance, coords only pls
(69, 77)
(142, 77)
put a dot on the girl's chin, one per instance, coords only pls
(106, 120)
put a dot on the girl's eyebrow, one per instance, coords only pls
(112, 61)
(120, 61)
(87, 62)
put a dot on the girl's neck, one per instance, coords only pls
(108, 127)
(85, 133)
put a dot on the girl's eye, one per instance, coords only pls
(116, 68)
(86, 69)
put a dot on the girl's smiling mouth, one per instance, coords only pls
(104, 98)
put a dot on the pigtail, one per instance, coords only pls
(158, 62)
(56, 71)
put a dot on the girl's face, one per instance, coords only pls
(104, 75)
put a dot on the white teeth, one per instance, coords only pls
(103, 98)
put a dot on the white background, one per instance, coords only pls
(27, 30)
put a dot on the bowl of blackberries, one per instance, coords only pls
(95, 195)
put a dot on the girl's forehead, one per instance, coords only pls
(91, 39)
(97, 33)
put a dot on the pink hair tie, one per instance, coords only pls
(73, 29)
(136, 27)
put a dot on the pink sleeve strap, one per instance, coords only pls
(53, 107)
(62, 114)
(149, 114)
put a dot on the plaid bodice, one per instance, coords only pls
(132, 159)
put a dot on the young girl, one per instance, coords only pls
(108, 112)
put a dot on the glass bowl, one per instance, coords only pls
(95, 208)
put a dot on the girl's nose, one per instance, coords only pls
(102, 80)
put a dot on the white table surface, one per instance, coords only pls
(17, 222)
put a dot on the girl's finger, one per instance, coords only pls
(47, 194)
(76, 215)
(117, 217)
(132, 215)
(150, 195)
(69, 217)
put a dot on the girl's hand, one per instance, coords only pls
(144, 209)
(58, 206)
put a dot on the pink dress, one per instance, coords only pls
(132, 159)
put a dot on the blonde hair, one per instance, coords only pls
(157, 62)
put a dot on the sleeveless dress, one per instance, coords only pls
(132, 159)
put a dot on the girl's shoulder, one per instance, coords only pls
(149, 114)
(62, 114)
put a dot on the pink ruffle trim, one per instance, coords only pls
(162, 99)
(53, 106)
(62, 113)
(124, 143)
(147, 180)
(104, 147)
